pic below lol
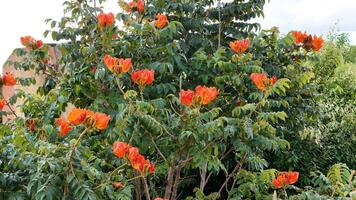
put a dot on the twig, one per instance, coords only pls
(158, 150)
(165, 130)
(74, 147)
(134, 178)
(237, 168)
(170, 174)
(146, 189)
(121, 166)
(203, 172)
(176, 182)
(118, 82)
(8, 105)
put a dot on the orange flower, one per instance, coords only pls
(39, 43)
(64, 127)
(205, 95)
(308, 41)
(27, 40)
(9, 79)
(30, 42)
(106, 19)
(2, 103)
(161, 21)
(138, 161)
(261, 80)
(125, 64)
(138, 5)
(186, 97)
(291, 177)
(117, 65)
(240, 46)
(151, 168)
(274, 80)
(101, 120)
(202, 96)
(121, 149)
(317, 43)
(279, 182)
(130, 6)
(117, 185)
(133, 152)
(77, 115)
(285, 178)
(299, 37)
(143, 77)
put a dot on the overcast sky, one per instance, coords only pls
(26, 17)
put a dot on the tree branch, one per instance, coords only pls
(176, 182)
(169, 185)
(74, 147)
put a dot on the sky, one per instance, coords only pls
(26, 17)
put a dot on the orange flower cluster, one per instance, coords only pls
(139, 5)
(2, 104)
(308, 41)
(117, 65)
(106, 20)
(98, 120)
(299, 37)
(143, 77)
(285, 178)
(262, 81)
(138, 161)
(63, 126)
(161, 21)
(8, 79)
(30, 42)
(79, 116)
(201, 96)
(240, 46)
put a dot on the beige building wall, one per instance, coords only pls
(10, 91)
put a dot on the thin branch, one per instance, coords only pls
(169, 185)
(165, 130)
(146, 189)
(118, 82)
(8, 105)
(237, 168)
(74, 147)
(121, 166)
(158, 150)
(176, 182)
(203, 172)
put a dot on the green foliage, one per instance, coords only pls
(227, 146)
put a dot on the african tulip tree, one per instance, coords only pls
(176, 89)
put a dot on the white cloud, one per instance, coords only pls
(19, 18)
(314, 16)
